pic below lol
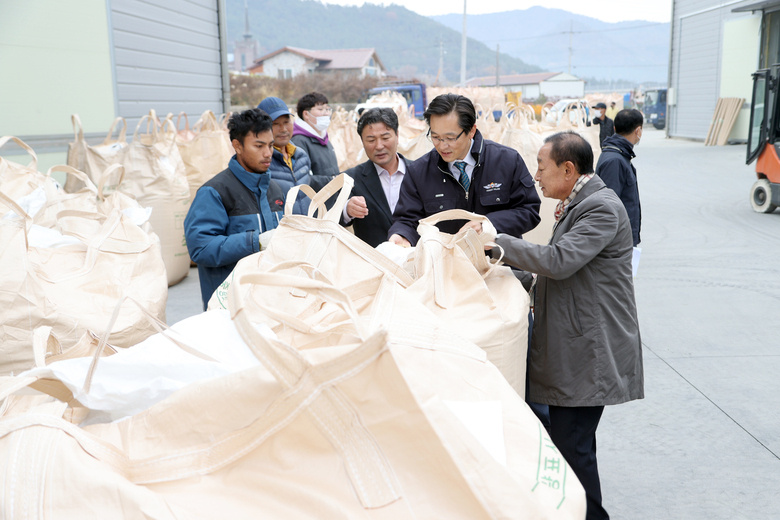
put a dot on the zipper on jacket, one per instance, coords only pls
(456, 181)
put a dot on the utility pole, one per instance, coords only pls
(440, 74)
(498, 81)
(463, 50)
(571, 33)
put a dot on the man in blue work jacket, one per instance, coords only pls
(234, 211)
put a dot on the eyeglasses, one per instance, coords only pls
(441, 140)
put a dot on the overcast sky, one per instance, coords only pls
(606, 10)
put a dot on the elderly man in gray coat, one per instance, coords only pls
(586, 351)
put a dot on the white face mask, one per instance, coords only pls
(599, 113)
(322, 124)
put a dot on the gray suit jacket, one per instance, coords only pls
(586, 349)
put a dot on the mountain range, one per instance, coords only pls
(409, 44)
(635, 50)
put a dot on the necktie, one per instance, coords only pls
(464, 179)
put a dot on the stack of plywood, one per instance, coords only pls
(726, 112)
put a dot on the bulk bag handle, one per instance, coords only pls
(342, 184)
(34, 163)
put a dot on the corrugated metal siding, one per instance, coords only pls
(695, 64)
(167, 57)
(698, 79)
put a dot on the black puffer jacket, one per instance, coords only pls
(607, 129)
(617, 172)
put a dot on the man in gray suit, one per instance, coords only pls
(585, 349)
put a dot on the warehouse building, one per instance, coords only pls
(288, 62)
(531, 86)
(102, 59)
(715, 47)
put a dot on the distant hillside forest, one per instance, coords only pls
(407, 43)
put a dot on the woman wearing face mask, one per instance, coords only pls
(311, 135)
(607, 125)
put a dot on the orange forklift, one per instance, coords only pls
(764, 139)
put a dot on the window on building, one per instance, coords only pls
(280, 73)
(288, 73)
(243, 62)
(770, 40)
(371, 62)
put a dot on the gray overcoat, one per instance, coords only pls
(586, 349)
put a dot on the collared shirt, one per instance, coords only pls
(290, 151)
(470, 164)
(391, 185)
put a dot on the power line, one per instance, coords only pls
(627, 66)
(578, 32)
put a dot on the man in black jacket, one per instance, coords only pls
(378, 180)
(615, 168)
(464, 171)
(607, 126)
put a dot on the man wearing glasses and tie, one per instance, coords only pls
(464, 171)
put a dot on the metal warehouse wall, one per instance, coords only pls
(167, 56)
(695, 63)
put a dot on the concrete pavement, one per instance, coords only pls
(705, 442)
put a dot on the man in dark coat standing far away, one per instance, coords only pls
(606, 125)
(615, 167)
(378, 180)
(585, 348)
(464, 171)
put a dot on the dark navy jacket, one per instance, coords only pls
(225, 221)
(501, 188)
(287, 178)
(617, 172)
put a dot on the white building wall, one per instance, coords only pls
(565, 89)
(284, 61)
(697, 63)
(528, 91)
(740, 56)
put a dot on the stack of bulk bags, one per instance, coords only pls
(342, 134)
(186, 135)
(487, 97)
(207, 153)
(93, 160)
(487, 124)
(68, 261)
(520, 135)
(578, 124)
(365, 405)
(17, 180)
(155, 175)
